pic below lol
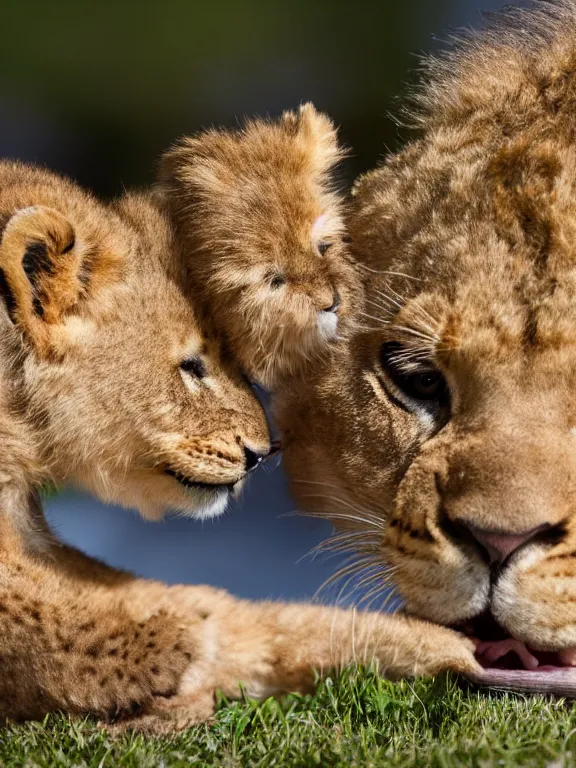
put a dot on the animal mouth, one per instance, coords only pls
(197, 485)
(510, 663)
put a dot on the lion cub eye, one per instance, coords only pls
(194, 366)
(277, 281)
(426, 384)
(323, 247)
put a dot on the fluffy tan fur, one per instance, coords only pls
(108, 380)
(468, 237)
(262, 228)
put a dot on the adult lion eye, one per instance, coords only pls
(425, 384)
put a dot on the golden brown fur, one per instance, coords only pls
(468, 237)
(262, 229)
(108, 380)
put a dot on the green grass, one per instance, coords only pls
(357, 720)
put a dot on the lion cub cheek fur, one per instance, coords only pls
(263, 233)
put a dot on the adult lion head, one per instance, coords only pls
(446, 430)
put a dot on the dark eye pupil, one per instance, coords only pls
(323, 247)
(194, 366)
(427, 383)
(277, 281)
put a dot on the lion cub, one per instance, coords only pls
(257, 212)
(108, 380)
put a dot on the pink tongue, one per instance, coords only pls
(491, 651)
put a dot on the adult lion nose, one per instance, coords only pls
(499, 545)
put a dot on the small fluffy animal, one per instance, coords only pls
(262, 226)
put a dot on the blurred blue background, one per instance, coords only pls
(98, 90)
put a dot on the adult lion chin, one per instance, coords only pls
(446, 430)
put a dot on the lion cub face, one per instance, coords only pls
(127, 394)
(263, 232)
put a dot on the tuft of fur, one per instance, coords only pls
(262, 228)
(509, 75)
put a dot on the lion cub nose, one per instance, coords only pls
(335, 304)
(252, 459)
(500, 545)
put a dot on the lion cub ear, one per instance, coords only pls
(317, 133)
(39, 272)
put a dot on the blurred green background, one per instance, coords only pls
(99, 90)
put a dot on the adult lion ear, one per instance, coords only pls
(372, 214)
(186, 166)
(40, 272)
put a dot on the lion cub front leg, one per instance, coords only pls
(275, 648)
(72, 646)
(272, 648)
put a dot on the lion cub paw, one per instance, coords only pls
(441, 649)
(167, 716)
(423, 649)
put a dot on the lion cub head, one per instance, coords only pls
(262, 229)
(124, 392)
(445, 431)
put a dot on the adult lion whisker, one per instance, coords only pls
(342, 542)
(367, 604)
(397, 301)
(376, 319)
(355, 566)
(416, 333)
(343, 516)
(388, 272)
(360, 508)
(328, 514)
(378, 577)
(361, 514)
(378, 305)
(366, 328)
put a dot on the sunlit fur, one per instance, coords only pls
(255, 208)
(468, 239)
(99, 322)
